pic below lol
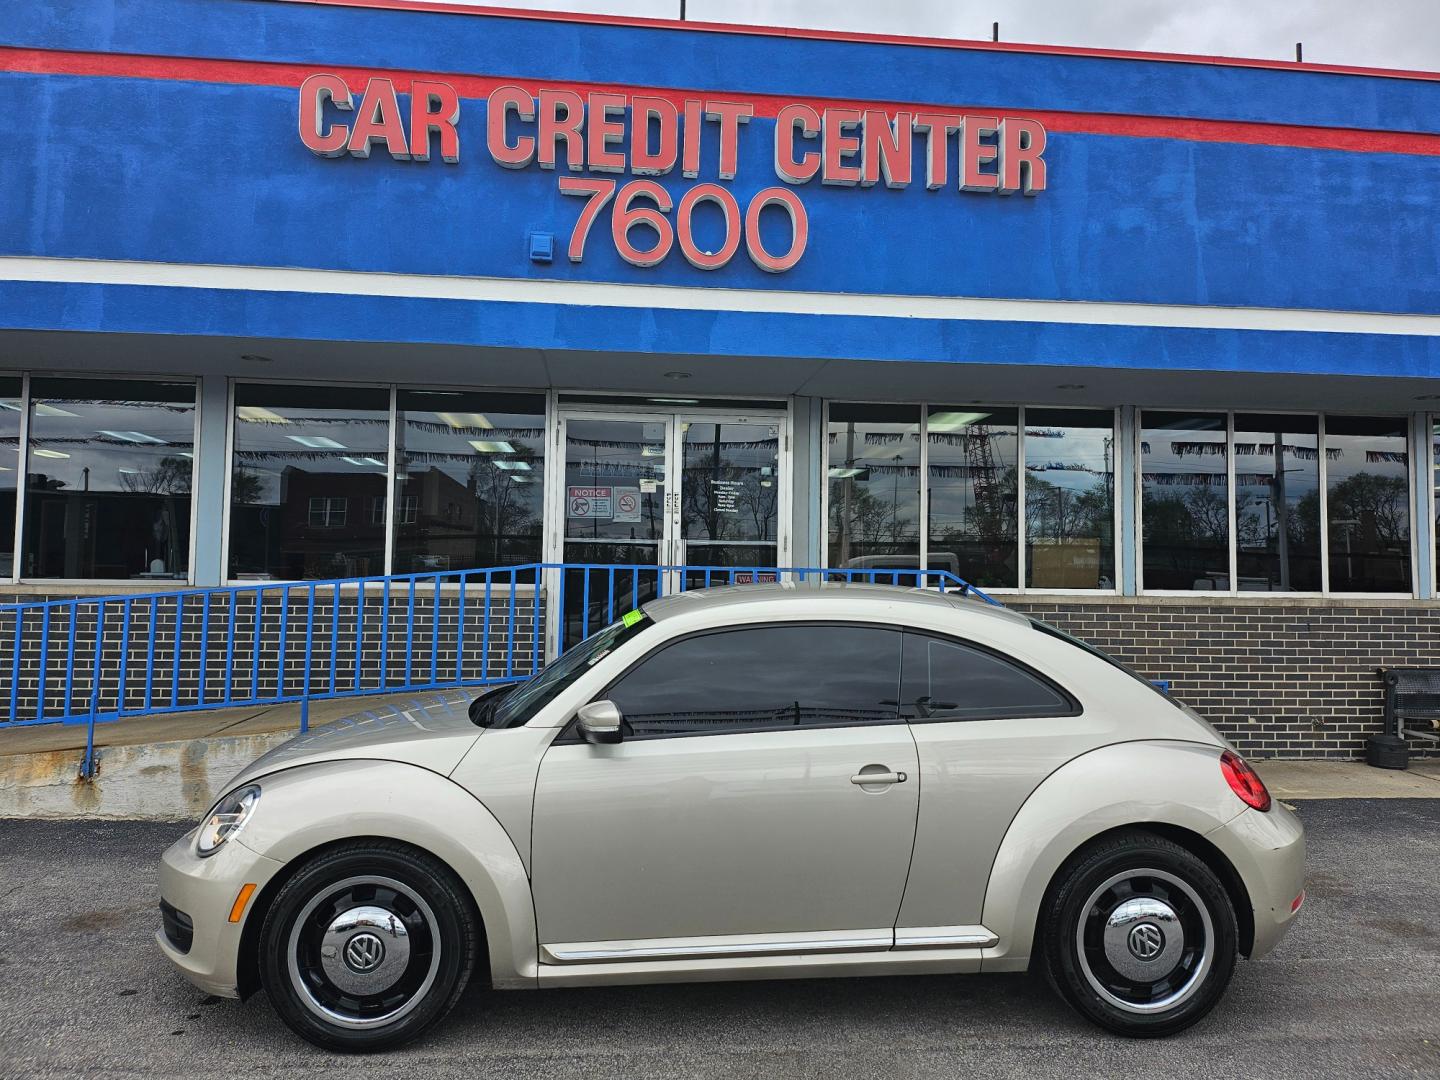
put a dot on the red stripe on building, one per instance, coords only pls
(265, 73)
(752, 30)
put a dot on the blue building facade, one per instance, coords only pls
(302, 289)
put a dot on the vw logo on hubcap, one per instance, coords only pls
(364, 953)
(1146, 941)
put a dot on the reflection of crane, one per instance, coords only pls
(981, 458)
(895, 498)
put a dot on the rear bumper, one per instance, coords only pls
(1268, 852)
(204, 890)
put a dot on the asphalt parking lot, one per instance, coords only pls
(1353, 991)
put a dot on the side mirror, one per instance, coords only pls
(599, 723)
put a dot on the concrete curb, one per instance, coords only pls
(165, 781)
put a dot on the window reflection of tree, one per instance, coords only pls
(1185, 502)
(874, 505)
(1370, 533)
(711, 466)
(872, 524)
(1058, 513)
(170, 476)
(1277, 509)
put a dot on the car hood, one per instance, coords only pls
(432, 731)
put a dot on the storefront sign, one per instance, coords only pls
(561, 129)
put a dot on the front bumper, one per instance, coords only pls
(205, 890)
(1268, 851)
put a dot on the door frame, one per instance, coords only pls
(672, 416)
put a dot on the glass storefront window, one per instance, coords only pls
(1277, 502)
(308, 473)
(110, 468)
(972, 493)
(874, 486)
(1069, 499)
(11, 407)
(1367, 484)
(1184, 501)
(470, 480)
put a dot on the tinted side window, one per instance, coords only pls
(762, 678)
(945, 680)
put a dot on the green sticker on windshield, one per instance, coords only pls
(630, 618)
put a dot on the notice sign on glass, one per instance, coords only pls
(589, 502)
(627, 504)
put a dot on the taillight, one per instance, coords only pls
(1244, 781)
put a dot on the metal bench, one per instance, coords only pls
(1412, 711)
(1412, 702)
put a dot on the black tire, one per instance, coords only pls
(1139, 935)
(319, 954)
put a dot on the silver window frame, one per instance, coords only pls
(1020, 588)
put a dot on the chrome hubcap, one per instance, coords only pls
(1145, 941)
(364, 952)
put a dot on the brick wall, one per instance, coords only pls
(1279, 680)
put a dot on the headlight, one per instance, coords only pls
(227, 818)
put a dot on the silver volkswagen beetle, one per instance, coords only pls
(751, 782)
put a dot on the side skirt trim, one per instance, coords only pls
(738, 945)
(717, 946)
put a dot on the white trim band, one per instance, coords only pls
(691, 298)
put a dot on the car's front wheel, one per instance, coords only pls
(1140, 935)
(367, 945)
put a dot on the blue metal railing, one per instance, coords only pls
(98, 659)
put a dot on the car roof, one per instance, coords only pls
(847, 596)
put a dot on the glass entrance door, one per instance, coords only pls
(615, 487)
(729, 497)
(647, 500)
(616, 512)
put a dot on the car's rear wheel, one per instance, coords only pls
(1140, 935)
(367, 945)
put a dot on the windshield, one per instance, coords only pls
(532, 696)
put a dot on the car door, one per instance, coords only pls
(988, 728)
(763, 797)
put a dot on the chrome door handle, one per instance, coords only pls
(866, 779)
